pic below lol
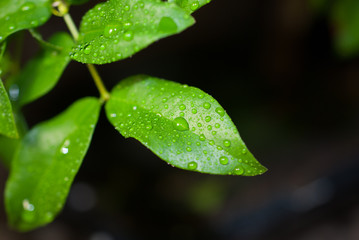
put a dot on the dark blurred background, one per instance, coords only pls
(287, 72)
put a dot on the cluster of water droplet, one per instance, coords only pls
(189, 124)
(115, 30)
(21, 18)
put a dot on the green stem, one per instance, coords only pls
(105, 95)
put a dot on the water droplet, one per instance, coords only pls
(207, 105)
(128, 36)
(64, 150)
(149, 127)
(14, 92)
(160, 137)
(192, 165)
(211, 142)
(194, 111)
(27, 6)
(88, 49)
(220, 111)
(227, 143)
(127, 8)
(127, 25)
(199, 124)
(217, 125)
(109, 31)
(195, 6)
(167, 25)
(209, 127)
(214, 132)
(202, 137)
(182, 107)
(208, 119)
(223, 160)
(201, 95)
(164, 100)
(27, 205)
(244, 151)
(238, 170)
(188, 149)
(180, 124)
(102, 47)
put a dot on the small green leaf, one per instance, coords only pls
(45, 165)
(117, 29)
(345, 19)
(42, 73)
(16, 15)
(7, 122)
(182, 125)
(190, 5)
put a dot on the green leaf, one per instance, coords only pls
(117, 29)
(190, 5)
(16, 15)
(45, 165)
(182, 125)
(42, 73)
(345, 19)
(8, 146)
(7, 122)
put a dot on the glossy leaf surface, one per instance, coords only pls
(117, 29)
(46, 163)
(16, 15)
(190, 5)
(182, 125)
(42, 73)
(7, 122)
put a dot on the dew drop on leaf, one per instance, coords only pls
(238, 170)
(180, 124)
(207, 118)
(167, 25)
(192, 165)
(207, 105)
(227, 143)
(182, 107)
(223, 160)
(220, 111)
(128, 36)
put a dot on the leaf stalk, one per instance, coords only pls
(105, 95)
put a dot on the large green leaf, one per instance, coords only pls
(16, 15)
(182, 125)
(7, 122)
(42, 73)
(117, 29)
(346, 21)
(46, 163)
(191, 5)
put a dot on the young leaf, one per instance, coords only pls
(42, 73)
(182, 125)
(16, 15)
(45, 165)
(117, 29)
(190, 5)
(7, 122)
